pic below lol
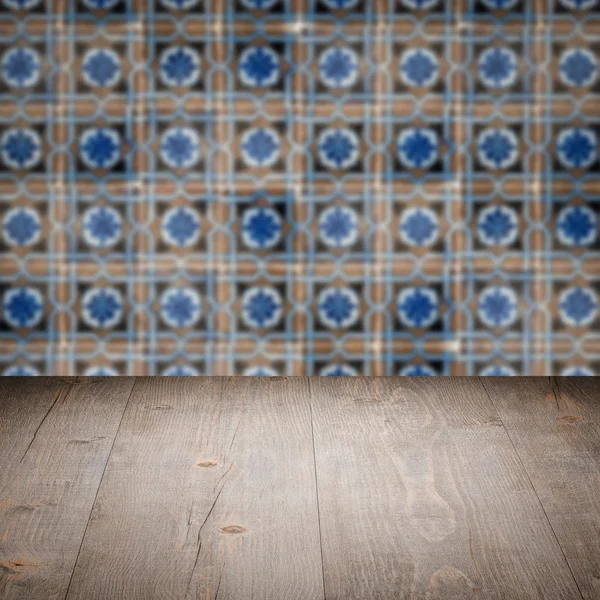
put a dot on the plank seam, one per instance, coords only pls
(312, 429)
(532, 486)
(58, 395)
(199, 537)
(99, 486)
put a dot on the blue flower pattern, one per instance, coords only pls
(100, 148)
(101, 68)
(418, 307)
(102, 307)
(21, 227)
(578, 306)
(339, 227)
(102, 227)
(338, 148)
(577, 226)
(261, 307)
(259, 67)
(20, 148)
(335, 171)
(498, 306)
(22, 307)
(419, 67)
(418, 148)
(180, 147)
(261, 228)
(180, 66)
(180, 306)
(338, 307)
(181, 227)
(21, 67)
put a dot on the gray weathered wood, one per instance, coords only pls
(421, 495)
(45, 504)
(210, 490)
(555, 426)
(24, 404)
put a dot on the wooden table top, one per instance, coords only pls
(299, 488)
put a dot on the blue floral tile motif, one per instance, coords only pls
(419, 226)
(579, 4)
(578, 67)
(180, 371)
(419, 4)
(20, 5)
(259, 67)
(340, 4)
(101, 4)
(21, 227)
(181, 227)
(102, 308)
(262, 307)
(338, 308)
(261, 228)
(578, 306)
(259, 4)
(21, 371)
(418, 371)
(259, 372)
(578, 372)
(180, 147)
(338, 371)
(497, 148)
(101, 68)
(21, 67)
(419, 67)
(101, 372)
(102, 227)
(100, 148)
(338, 67)
(577, 148)
(22, 307)
(338, 148)
(498, 226)
(180, 66)
(577, 226)
(20, 148)
(180, 306)
(418, 148)
(498, 306)
(418, 307)
(266, 187)
(497, 371)
(498, 68)
(500, 4)
(260, 147)
(339, 227)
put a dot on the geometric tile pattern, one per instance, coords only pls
(299, 187)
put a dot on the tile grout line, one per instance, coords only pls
(312, 429)
(135, 382)
(480, 379)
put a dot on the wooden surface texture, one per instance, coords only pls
(299, 488)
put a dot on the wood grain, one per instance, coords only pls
(210, 491)
(555, 426)
(56, 470)
(24, 404)
(422, 496)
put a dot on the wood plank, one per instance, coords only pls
(45, 507)
(555, 426)
(421, 495)
(210, 490)
(24, 404)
